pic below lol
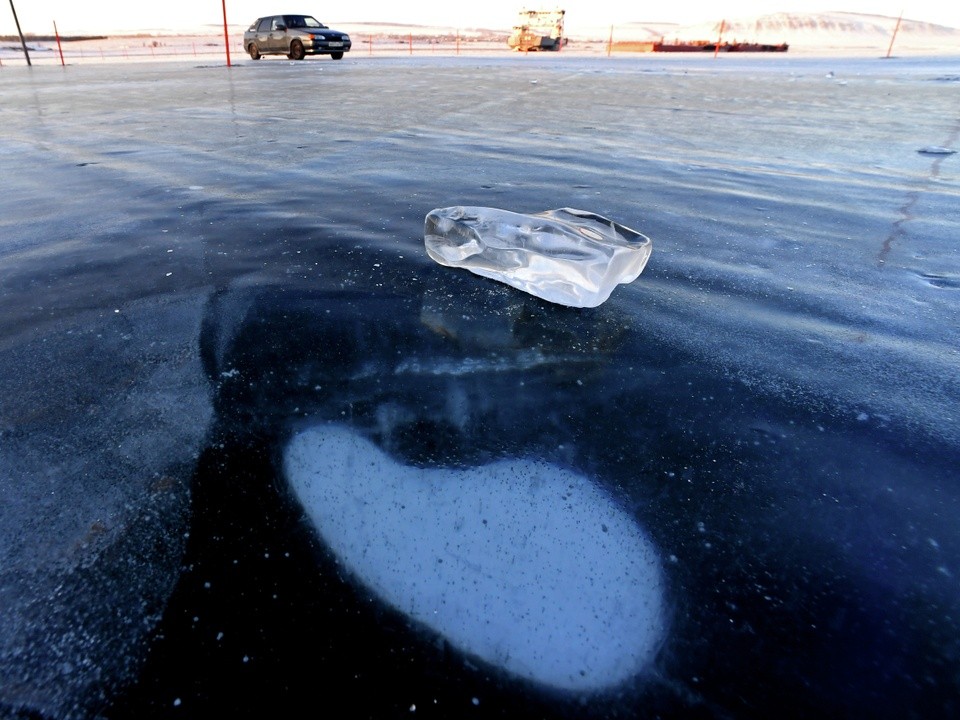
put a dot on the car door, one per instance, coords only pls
(263, 34)
(278, 34)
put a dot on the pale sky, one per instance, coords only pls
(112, 16)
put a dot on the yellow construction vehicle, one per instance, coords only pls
(538, 30)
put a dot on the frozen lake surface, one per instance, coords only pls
(259, 453)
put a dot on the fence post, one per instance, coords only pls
(610, 42)
(894, 36)
(411, 43)
(226, 35)
(56, 34)
(20, 33)
(716, 50)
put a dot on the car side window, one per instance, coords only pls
(264, 25)
(276, 21)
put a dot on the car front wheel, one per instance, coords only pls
(254, 51)
(337, 55)
(296, 50)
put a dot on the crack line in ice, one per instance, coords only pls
(906, 210)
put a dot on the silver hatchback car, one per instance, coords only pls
(295, 36)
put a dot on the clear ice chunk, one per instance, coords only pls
(566, 256)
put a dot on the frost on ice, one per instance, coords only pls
(566, 256)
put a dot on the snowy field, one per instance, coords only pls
(260, 455)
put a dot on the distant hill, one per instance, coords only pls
(812, 30)
(30, 37)
(815, 31)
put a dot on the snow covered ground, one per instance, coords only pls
(207, 271)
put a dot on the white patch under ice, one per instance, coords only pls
(526, 565)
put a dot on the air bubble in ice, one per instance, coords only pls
(566, 256)
(506, 561)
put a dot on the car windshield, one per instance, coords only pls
(302, 21)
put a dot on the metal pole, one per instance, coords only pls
(59, 46)
(226, 35)
(20, 32)
(894, 37)
(719, 38)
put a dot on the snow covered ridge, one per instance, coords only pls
(847, 22)
(799, 25)
(802, 31)
(819, 29)
(813, 30)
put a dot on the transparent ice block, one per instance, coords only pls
(566, 256)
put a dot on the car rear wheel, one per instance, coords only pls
(296, 50)
(337, 55)
(254, 51)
